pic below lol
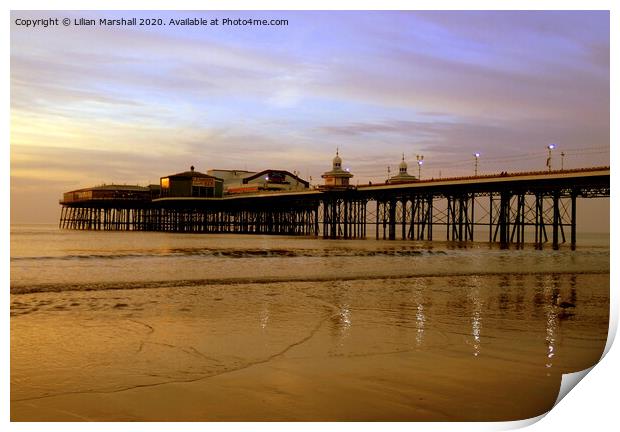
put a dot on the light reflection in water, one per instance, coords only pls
(345, 319)
(263, 316)
(550, 292)
(341, 316)
(552, 323)
(341, 323)
(476, 318)
(420, 320)
(420, 315)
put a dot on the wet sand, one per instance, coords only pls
(466, 347)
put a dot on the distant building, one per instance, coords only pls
(337, 178)
(191, 184)
(403, 176)
(268, 180)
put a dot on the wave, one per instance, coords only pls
(400, 251)
(188, 283)
(238, 253)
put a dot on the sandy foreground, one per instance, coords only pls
(458, 348)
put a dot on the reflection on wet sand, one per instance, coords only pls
(264, 316)
(420, 315)
(476, 318)
(550, 287)
(421, 348)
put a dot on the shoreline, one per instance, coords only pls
(188, 283)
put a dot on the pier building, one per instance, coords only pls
(241, 181)
(110, 192)
(231, 178)
(191, 184)
(275, 180)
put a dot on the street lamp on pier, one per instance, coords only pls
(420, 160)
(549, 148)
(562, 166)
(476, 156)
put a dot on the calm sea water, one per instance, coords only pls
(407, 330)
(45, 258)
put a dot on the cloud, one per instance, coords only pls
(132, 104)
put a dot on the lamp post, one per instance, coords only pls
(388, 173)
(476, 156)
(549, 148)
(562, 166)
(420, 160)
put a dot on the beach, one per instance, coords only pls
(165, 327)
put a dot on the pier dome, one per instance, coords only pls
(403, 176)
(402, 167)
(337, 161)
(337, 177)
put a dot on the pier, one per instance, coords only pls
(509, 209)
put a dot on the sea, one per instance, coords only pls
(408, 330)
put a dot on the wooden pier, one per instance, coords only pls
(538, 208)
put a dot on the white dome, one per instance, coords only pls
(402, 167)
(337, 162)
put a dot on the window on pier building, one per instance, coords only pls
(201, 191)
(165, 186)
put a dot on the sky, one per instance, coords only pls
(95, 104)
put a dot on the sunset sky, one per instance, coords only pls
(131, 104)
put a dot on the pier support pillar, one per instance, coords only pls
(392, 220)
(504, 214)
(556, 219)
(573, 220)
